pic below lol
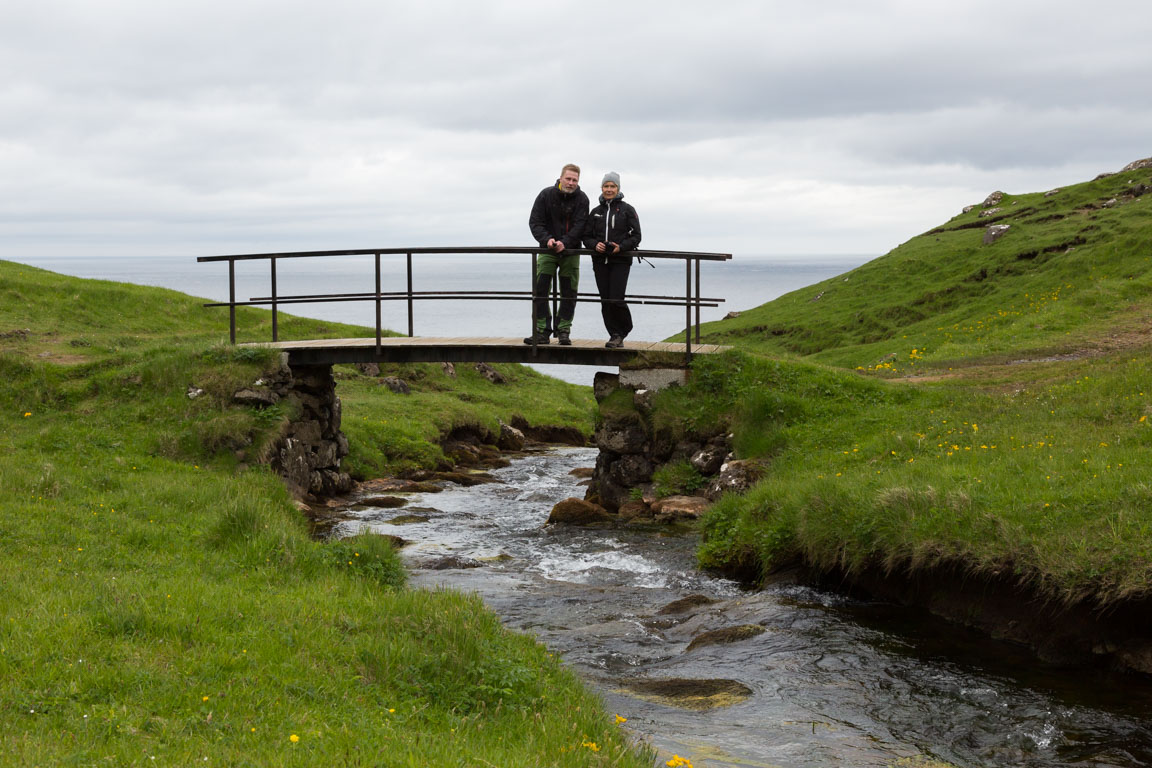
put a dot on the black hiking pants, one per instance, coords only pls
(612, 283)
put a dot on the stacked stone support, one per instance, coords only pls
(631, 449)
(308, 452)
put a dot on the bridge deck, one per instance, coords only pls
(461, 349)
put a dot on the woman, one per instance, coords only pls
(612, 231)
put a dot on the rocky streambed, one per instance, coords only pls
(790, 675)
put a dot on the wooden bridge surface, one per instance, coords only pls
(473, 349)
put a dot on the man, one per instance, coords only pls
(557, 222)
(613, 231)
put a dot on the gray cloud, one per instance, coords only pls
(763, 127)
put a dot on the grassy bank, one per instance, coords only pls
(161, 595)
(954, 403)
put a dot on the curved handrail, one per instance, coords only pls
(691, 258)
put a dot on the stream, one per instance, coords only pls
(830, 681)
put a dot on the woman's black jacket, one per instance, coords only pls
(613, 221)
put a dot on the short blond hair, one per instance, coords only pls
(570, 167)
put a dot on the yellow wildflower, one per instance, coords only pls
(293, 738)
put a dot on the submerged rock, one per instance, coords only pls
(383, 484)
(726, 635)
(384, 502)
(453, 562)
(408, 519)
(685, 604)
(466, 479)
(685, 693)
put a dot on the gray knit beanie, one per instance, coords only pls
(611, 176)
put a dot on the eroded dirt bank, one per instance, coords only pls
(1080, 634)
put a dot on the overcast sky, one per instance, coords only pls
(756, 128)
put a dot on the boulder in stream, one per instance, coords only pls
(453, 562)
(408, 519)
(382, 502)
(685, 604)
(726, 635)
(578, 512)
(698, 695)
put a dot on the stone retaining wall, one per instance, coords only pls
(308, 452)
(631, 449)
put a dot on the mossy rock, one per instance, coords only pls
(382, 502)
(726, 635)
(685, 604)
(686, 693)
(408, 519)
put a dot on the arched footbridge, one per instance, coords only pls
(383, 347)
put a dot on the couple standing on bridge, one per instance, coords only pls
(560, 221)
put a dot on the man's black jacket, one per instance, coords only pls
(557, 216)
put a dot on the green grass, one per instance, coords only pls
(1013, 435)
(162, 596)
(391, 433)
(1044, 483)
(1066, 273)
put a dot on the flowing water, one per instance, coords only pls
(833, 681)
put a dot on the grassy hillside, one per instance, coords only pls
(162, 597)
(955, 402)
(1073, 270)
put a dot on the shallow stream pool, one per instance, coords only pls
(830, 681)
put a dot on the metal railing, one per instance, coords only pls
(691, 299)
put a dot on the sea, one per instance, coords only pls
(743, 282)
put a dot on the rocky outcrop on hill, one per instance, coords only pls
(995, 232)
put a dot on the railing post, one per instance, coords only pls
(555, 321)
(532, 300)
(232, 300)
(697, 301)
(275, 325)
(378, 305)
(409, 295)
(687, 311)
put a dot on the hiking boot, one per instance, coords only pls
(615, 342)
(537, 338)
(565, 339)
